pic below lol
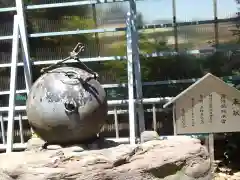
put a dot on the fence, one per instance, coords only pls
(113, 40)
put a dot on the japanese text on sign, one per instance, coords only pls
(201, 110)
(235, 104)
(193, 118)
(210, 108)
(223, 109)
(183, 118)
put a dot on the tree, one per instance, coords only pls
(139, 19)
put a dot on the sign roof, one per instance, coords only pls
(213, 83)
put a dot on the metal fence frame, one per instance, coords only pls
(135, 106)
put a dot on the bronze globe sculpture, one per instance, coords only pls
(67, 105)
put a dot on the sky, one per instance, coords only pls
(187, 10)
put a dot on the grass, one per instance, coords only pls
(189, 37)
(194, 34)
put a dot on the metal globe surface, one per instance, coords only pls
(66, 105)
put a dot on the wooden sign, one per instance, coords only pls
(208, 106)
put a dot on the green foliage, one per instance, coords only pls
(77, 21)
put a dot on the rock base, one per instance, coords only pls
(174, 159)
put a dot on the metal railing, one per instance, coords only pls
(21, 133)
(131, 43)
(116, 107)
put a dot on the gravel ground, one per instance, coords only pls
(224, 176)
(224, 173)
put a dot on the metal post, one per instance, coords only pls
(174, 120)
(137, 66)
(175, 25)
(21, 128)
(24, 43)
(131, 103)
(13, 77)
(2, 130)
(211, 150)
(25, 46)
(95, 26)
(116, 122)
(154, 117)
(215, 23)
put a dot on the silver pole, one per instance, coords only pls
(13, 77)
(116, 122)
(131, 103)
(24, 43)
(137, 66)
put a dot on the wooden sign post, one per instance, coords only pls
(206, 107)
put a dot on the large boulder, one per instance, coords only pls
(173, 159)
